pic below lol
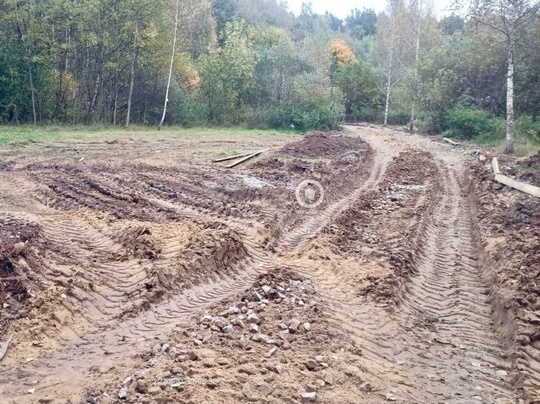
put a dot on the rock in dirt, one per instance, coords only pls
(91, 400)
(122, 394)
(141, 387)
(293, 325)
(309, 397)
(311, 364)
(154, 390)
(265, 390)
(246, 391)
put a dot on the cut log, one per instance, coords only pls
(520, 186)
(249, 157)
(237, 156)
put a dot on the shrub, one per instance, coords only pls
(466, 123)
(528, 128)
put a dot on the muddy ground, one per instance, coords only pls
(140, 271)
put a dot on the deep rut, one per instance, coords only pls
(441, 345)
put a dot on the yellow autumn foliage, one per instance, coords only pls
(344, 54)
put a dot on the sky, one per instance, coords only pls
(341, 8)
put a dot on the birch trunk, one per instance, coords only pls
(510, 96)
(132, 79)
(171, 66)
(387, 104)
(415, 84)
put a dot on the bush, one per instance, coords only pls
(466, 124)
(528, 129)
(399, 118)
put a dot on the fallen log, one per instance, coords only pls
(249, 157)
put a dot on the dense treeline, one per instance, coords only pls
(253, 62)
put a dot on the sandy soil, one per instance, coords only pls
(141, 272)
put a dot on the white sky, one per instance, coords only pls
(341, 8)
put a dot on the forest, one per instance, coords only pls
(253, 63)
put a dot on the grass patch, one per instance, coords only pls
(10, 134)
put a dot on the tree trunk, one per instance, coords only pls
(33, 91)
(415, 83)
(387, 104)
(132, 79)
(510, 96)
(171, 66)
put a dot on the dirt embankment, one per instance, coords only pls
(510, 225)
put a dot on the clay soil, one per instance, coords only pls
(139, 271)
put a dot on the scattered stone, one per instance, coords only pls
(319, 358)
(391, 397)
(207, 319)
(501, 373)
(122, 394)
(212, 384)
(279, 368)
(209, 362)
(307, 326)
(366, 387)
(266, 289)
(311, 364)
(193, 356)
(228, 329)
(283, 326)
(254, 328)
(91, 400)
(223, 361)
(246, 391)
(244, 342)
(271, 352)
(293, 326)
(127, 382)
(265, 390)
(311, 388)
(165, 348)
(329, 379)
(253, 319)
(151, 363)
(154, 390)
(257, 297)
(197, 342)
(176, 371)
(309, 397)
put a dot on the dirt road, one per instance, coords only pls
(124, 273)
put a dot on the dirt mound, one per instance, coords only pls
(510, 225)
(321, 145)
(274, 343)
(383, 225)
(15, 238)
(532, 162)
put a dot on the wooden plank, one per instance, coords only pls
(495, 166)
(236, 163)
(520, 186)
(232, 157)
(451, 141)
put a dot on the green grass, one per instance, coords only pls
(523, 146)
(10, 134)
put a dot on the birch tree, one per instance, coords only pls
(171, 65)
(508, 18)
(389, 49)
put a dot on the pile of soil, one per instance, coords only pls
(274, 344)
(15, 237)
(323, 145)
(532, 162)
